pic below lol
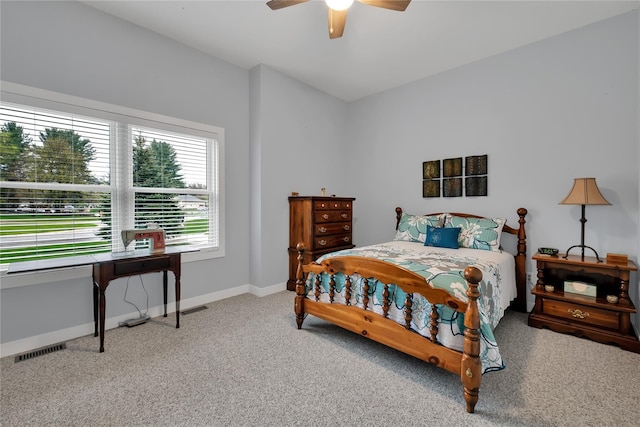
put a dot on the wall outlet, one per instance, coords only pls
(529, 281)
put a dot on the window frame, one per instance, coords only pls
(49, 100)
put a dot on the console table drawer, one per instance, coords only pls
(141, 265)
(582, 313)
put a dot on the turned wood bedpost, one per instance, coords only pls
(471, 366)
(398, 217)
(298, 307)
(521, 263)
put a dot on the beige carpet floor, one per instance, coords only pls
(242, 362)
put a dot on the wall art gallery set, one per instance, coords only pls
(450, 176)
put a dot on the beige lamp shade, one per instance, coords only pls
(584, 192)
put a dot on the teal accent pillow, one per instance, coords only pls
(442, 237)
(413, 228)
(478, 233)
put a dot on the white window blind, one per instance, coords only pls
(69, 183)
(54, 176)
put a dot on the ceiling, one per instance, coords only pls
(380, 49)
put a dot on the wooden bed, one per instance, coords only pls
(380, 328)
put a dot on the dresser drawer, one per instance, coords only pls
(581, 313)
(332, 216)
(331, 204)
(331, 241)
(326, 229)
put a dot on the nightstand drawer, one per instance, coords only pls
(581, 313)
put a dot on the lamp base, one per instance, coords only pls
(566, 254)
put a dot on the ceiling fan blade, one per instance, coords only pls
(337, 20)
(279, 4)
(399, 5)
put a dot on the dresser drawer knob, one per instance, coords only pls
(325, 216)
(322, 229)
(346, 238)
(346, 228)
(344, 215)
(579, 314)
(322, 242)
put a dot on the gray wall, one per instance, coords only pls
(81, 51)
(292, 121)
(531, 110)
(547, 113)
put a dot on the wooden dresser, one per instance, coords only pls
(323, 224)
(593, 317)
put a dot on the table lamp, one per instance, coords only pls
(584, 192)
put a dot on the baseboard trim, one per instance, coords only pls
(30, 343)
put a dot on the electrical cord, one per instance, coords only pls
(145, 291)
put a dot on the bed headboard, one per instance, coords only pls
(520, 303)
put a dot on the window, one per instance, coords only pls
(75, 173)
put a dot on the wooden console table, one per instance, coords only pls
(113, 268)
(110, 266)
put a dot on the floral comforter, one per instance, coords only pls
(444, 268)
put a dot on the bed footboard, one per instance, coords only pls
(378, 327)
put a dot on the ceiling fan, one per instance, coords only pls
(338, 10)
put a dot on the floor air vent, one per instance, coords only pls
(40, 352)
(193, 310)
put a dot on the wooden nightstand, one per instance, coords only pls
(584, 316)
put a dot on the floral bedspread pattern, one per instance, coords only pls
(444, 268)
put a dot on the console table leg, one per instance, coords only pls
(95, 309)
(177, 300)
(103, 307)
(164, 289)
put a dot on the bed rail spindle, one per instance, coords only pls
(385, 301)
(433, 323)
(408, 310)
(347, 290)
(316, 284)
(332, 288)
(365, 293)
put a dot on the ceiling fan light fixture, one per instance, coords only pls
(339, 4)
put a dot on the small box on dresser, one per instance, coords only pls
(601, 318)
(323, 224)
